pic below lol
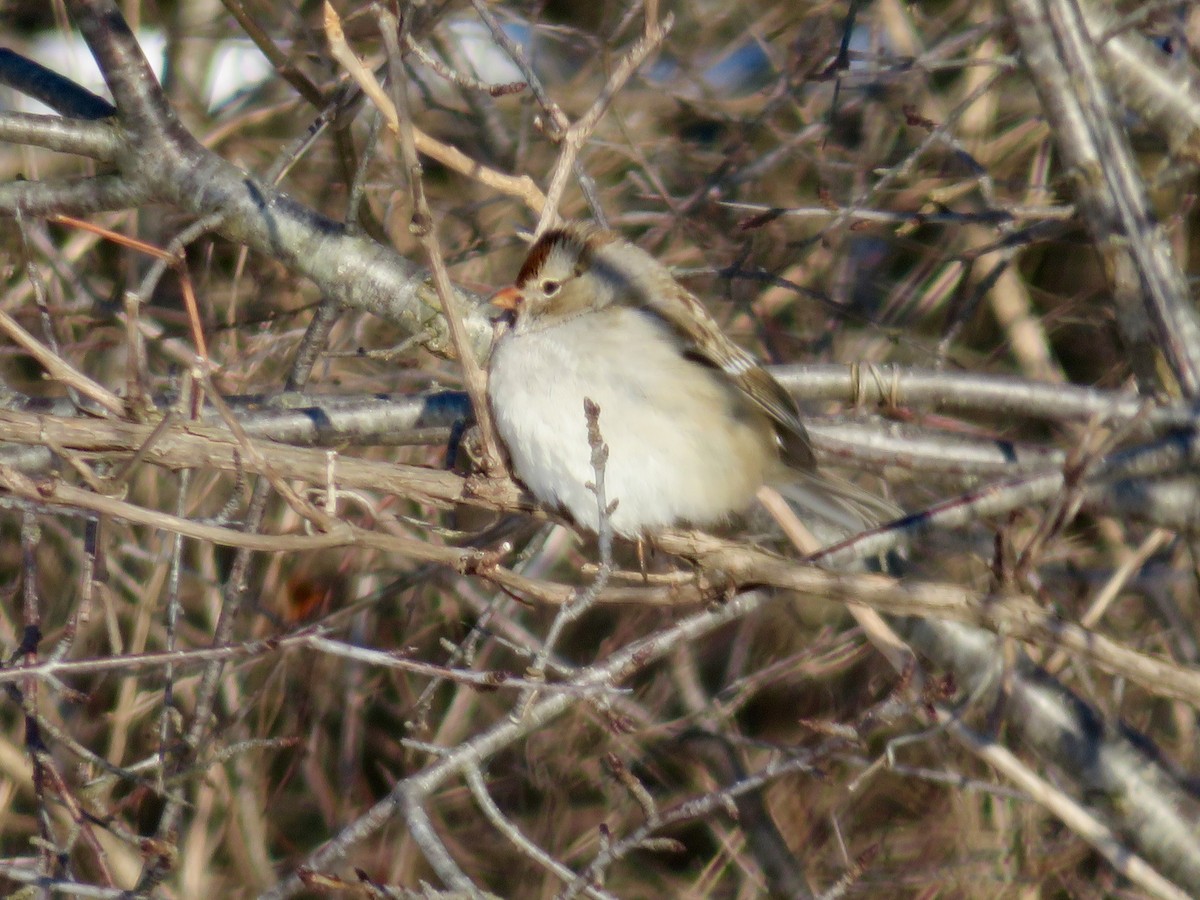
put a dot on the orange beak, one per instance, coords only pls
(508, 298)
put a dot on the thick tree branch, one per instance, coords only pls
(50, 88)
(99, 140)
(1154, 308)
(72, 197)
(159, 161)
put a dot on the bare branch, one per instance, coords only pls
(95, 139)
(1151, 295)
(50, 88)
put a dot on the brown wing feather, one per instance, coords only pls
(640, 279)
(683, 311)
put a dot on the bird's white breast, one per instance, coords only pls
(684, 446)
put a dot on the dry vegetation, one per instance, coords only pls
(237, 663)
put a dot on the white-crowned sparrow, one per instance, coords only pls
(695, 426)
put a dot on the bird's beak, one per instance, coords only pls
(507, 298)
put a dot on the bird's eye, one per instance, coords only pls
(550, 288)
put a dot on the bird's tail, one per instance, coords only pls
(833, 508)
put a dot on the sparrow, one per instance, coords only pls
(694, 424)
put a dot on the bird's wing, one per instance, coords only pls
(704, 339)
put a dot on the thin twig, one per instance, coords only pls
(412, 790)
(59, 369)
(558, 119)
(521, 187)
(585, 599)
(579, 133)
(1075, 816)
(474, 779)
(425, 229)
(886, 641)
(459, 78)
